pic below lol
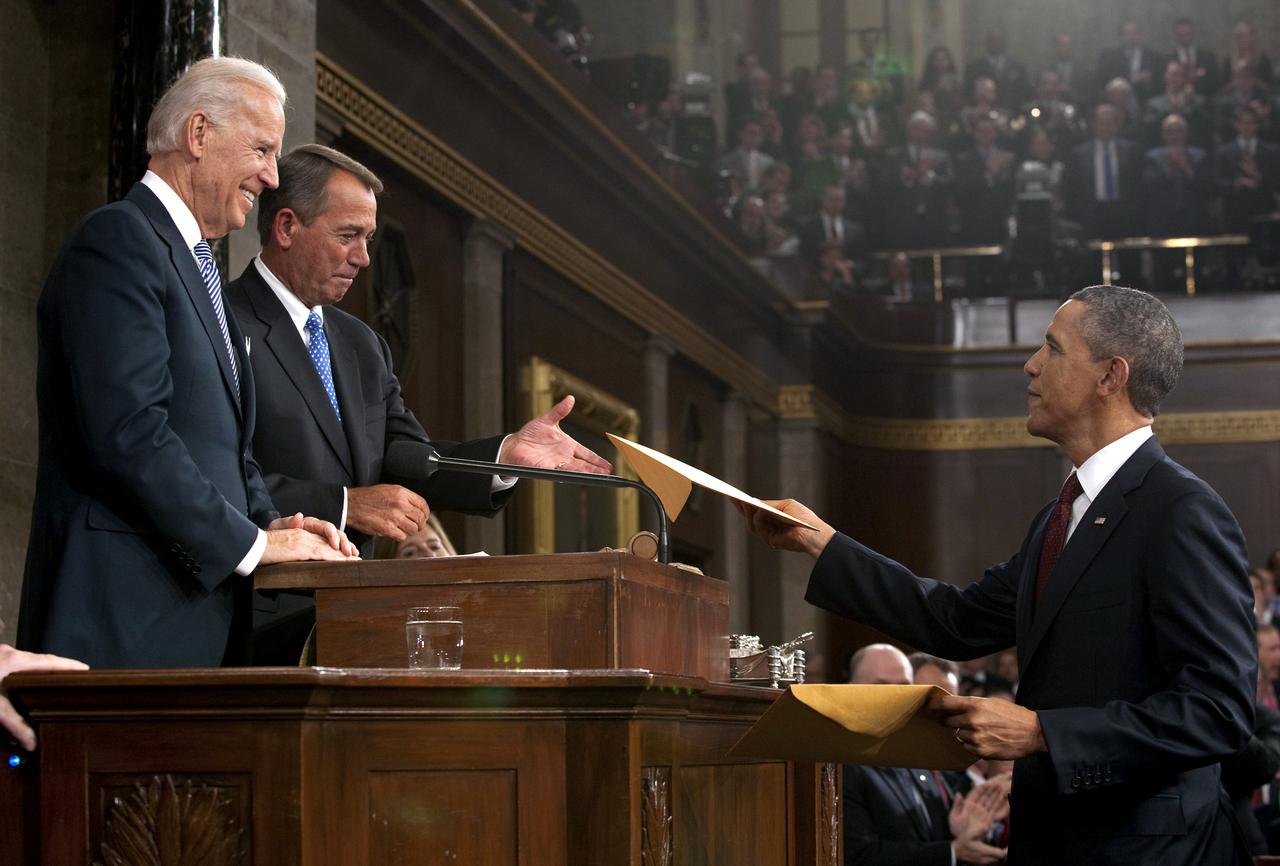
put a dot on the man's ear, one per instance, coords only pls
(285, 227)
(1115, 378)
(196, 134)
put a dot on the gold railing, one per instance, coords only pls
(1189, 245)
(937, 255)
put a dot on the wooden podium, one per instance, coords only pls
(594, 761)
(570, 611)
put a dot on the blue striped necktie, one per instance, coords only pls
(212, 282)
(318, 348)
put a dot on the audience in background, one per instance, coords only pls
(1157, 140)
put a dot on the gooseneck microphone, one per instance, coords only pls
(417, 461)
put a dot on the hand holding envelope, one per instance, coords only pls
(785, 524)
(875, 725)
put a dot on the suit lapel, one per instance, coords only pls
(346, 384)
(185, 264)
(1084, 544)
(902, 788)
(285, 344)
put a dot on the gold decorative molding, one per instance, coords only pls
(371, 118)
(979, 434)
(796, 401)
(543, 385)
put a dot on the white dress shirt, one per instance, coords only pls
(185, 220)
(1095, 472)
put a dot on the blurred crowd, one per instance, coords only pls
(1165, 138)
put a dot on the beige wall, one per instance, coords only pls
(54, 115)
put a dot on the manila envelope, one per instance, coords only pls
(874, 725)
(673, 480)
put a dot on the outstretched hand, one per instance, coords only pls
(787, 536)
(543, 445)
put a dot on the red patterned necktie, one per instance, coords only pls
(1055, 534)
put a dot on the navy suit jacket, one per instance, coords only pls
(890, 820)
(307, 455)
(147, 497)
(1139, 659)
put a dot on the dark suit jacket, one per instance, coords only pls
(307, 456)
(985, 202)
(890, 820)
(146, 495)
(1240, 206)
(1176, 205)
(1013, 85)
(813, 234)
(1083, 207)
(917, 208)
(1112, 63)
(1139, 659)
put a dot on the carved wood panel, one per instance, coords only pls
(162, 821)
(829, 816)
(655, 816)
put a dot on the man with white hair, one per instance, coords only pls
(149, 509)
(918, 180)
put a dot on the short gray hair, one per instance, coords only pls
(213, 85)
(1136, 326)
(304, 181)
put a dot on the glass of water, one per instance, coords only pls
(434, 635)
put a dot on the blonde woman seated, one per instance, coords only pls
(428, 542)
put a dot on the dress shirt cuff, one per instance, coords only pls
(342, 523)
(254, 556)
(502, 482)
(952, 849)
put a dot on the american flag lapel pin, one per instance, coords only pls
(1099, 521)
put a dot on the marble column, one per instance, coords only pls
(733, 536)
(281, 35)
(483, 274)
(778, 579)
(655, 416)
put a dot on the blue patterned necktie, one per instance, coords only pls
(318, 348)
(212, 282)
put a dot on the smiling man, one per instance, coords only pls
(149, 509)
(328, 398)
(1128, 603)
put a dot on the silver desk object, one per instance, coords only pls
(775, 666)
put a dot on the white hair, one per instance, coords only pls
(212, 85)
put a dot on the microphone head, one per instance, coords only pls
(408, 460)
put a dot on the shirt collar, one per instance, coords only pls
(1095, 472)
(178, 211)
(298, 311)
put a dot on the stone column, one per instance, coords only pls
(483, 274)
(781, 579)
(655, 420)
(281, 34)
(733, 529)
